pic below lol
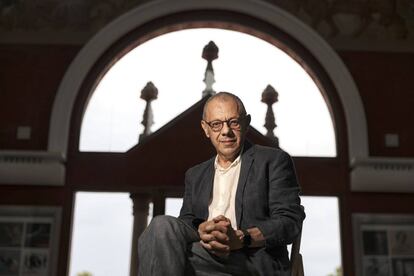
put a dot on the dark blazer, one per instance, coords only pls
(267, 197)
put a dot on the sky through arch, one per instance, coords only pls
(246, 65)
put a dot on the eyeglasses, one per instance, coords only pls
(234, 124)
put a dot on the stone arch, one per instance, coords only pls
(94, 49)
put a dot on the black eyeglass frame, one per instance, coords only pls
(228, 122)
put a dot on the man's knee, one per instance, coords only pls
(163, 220)
(159, 227)
(162, 225)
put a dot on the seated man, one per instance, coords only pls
(241, 208)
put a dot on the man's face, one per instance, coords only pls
(226, 141)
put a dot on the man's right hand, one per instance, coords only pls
(214, 235)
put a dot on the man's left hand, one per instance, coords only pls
(233, 237)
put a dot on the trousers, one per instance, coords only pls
(169, 246)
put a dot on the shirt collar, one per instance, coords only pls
(233, 164)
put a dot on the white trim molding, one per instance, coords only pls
(32, 167)
(380, 174)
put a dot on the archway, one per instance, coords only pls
(269, 14)
(246, 65)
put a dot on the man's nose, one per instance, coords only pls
(226, 130)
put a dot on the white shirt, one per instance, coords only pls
(225, 183)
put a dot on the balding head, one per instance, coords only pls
(225, 96)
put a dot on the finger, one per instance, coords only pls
(209, 226)
(202, 227)
(206, 245)
(224, 223)
(217, 246)
(220, 218)
(219, 236)
(222, 226)
(207, 237)
(239, 233)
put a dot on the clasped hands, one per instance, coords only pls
(218, 237)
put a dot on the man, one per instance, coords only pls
(240, 209)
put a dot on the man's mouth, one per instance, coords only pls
(228, 141)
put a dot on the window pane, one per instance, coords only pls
(102, 234)
(320, 246)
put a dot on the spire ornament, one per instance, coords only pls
(210, 53)
(269, 97)
(148, 94)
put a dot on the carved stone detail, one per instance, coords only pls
(148, 93)
(269, 97)
(391, 16)
(210, 53)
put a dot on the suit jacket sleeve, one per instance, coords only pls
(285, 212)
(187, 213)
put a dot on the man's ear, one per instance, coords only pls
(204, 125)
(248, 120)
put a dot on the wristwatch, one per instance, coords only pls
(247, 239)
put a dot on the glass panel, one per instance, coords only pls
(102, 234)
(173, 206)
(321, 243)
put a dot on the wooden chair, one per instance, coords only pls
(296, 257)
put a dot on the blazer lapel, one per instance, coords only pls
(206, 187)
(247, 160)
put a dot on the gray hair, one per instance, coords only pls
(225, 96)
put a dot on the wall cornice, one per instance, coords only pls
(382, 174)
(32, 168)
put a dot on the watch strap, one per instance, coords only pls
(247, 239)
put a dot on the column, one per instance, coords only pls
(140, 207)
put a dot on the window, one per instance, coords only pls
(102, 234)
(246, 65)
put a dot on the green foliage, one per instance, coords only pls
(338, 272)
(84, 273)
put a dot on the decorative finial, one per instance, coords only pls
(210, 53)
(148, 93)
(269, 97)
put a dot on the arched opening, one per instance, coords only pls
(113, 108)
(335, 70)
(246, 65)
